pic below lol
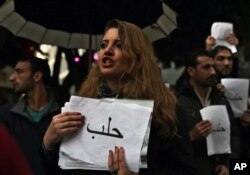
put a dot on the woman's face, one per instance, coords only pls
(112, 63)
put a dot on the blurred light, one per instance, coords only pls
(81, 51)
(45, 47)
(76, 59)
(96, 56)
(64, 71)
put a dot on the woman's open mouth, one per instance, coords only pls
(107, 62)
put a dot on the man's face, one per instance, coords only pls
(22, 77)
(223, 62)
(203, 74)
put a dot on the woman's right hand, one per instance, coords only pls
(61, 125)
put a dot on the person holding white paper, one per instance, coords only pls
(195, 91)
(222, 37)
(224, 62)
(127, 68)
(224, 65)
(210, 41)
(222, 34)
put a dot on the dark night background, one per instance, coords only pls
(89, 16)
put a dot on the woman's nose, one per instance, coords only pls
(109, 50)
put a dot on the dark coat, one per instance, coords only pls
(188, 110)
(29, 134)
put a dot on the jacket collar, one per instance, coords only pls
(187, 89)
(19, 107)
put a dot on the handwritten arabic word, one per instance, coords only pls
(219, 128)
(235, 97)
(117, 135)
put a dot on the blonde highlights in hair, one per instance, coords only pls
(142, 79)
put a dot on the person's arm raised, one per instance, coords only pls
(210, 43)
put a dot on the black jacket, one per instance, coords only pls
(188, 110)
(29, 134)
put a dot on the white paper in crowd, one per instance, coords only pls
(220, 31)
(108, 123)
(218, 142)
(236, 91)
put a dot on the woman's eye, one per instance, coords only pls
(119, 45)
(103, 45)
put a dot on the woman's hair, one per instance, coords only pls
(142, 79)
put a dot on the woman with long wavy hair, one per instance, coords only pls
(127, 68)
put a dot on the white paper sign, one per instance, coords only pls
(218, 142)
(236, 91)
(220, 31)
(108, 123)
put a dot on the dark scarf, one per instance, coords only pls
(106, 92)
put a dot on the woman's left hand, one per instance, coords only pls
(117, 163)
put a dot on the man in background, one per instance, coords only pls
(223, 61)
(223, 64)
(195, 91)
(28, 118)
